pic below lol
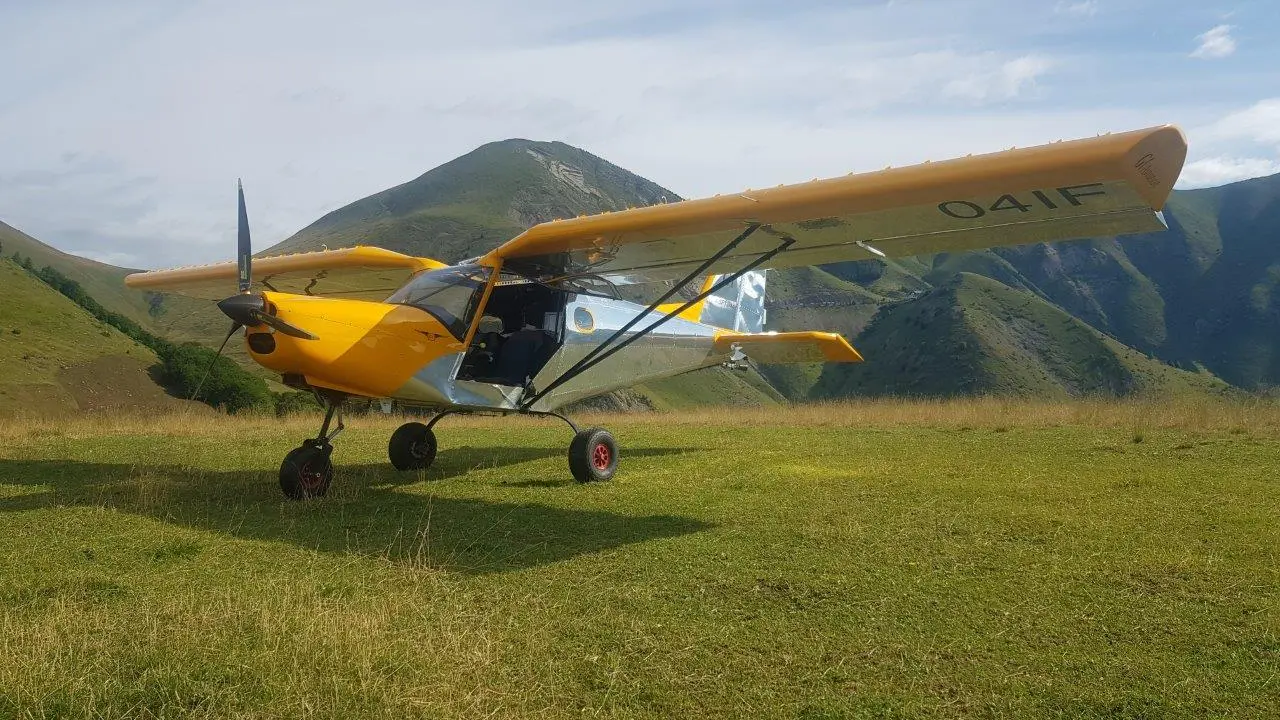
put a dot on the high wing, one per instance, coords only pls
(366, 273)
(1108, 185)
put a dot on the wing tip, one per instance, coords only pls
(1155, 162)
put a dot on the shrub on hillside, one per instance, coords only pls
(295, 402)
(227, 386)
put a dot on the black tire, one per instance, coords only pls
(412, 447)
(306, 473)
(593, 455)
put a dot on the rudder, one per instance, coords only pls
(738, 306)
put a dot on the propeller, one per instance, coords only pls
(245, 308)
(244, 248)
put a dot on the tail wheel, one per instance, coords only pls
(593, 456)
(306, 472)
(412, 447)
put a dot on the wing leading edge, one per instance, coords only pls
(1103, 186)
(365, 273)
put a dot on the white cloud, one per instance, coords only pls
(1240, 145)
(1259, 123)
(1213, 171)
(1216, 43)
(1082, 8)
(323, 118)
(1002, 82)
(321, 103)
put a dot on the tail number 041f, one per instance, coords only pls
(1049, 199)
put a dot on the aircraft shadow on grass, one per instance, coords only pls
(364, 513)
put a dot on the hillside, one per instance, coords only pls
(1201, 296)
(974, 335)
(104, 282)
(58, 358)
(478, 201)
(173, 316)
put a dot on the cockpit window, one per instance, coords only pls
(449, 294)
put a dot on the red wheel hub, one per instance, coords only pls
(600, 457)
(310, 476)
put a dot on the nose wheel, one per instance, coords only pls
(307, 470)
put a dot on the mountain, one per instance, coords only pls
(1203, 294)
(57, 357)
(1198, 296)
(480, 200)
(104, 282)
(1083, 317)
(975, 335)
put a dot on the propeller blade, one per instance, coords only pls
(244, 248)
(281, 326)
(234, 327)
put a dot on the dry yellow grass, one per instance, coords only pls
(1258, 416)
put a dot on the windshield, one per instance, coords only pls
(449, 294)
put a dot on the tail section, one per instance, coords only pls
(738, 306)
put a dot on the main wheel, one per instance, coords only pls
(306, 473)
(593, 455)
(412, 447)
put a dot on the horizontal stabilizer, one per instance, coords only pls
(790, 347)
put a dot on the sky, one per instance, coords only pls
(124, 125)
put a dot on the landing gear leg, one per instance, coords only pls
(307, 470)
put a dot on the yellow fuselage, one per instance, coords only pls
(363, 348)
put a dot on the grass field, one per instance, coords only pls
(963, 559)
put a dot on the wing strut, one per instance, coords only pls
(600, 354)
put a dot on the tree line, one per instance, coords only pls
(182, 365)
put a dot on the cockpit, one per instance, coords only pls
(518, 330)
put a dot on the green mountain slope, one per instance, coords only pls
(104, 282)
(174, 316)
(474, 203)
(1202, 295)
(1203, 292)
(480, 200)
(57, 357)
(974, 335)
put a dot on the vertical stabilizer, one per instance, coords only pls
(738, 306)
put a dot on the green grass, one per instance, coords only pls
(974, 559)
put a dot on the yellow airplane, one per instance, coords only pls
(537, 322)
